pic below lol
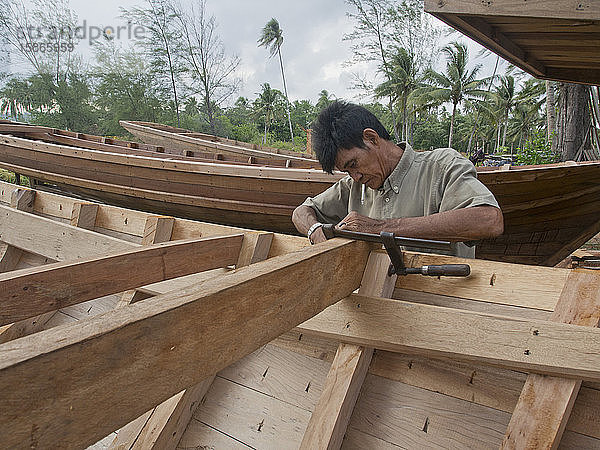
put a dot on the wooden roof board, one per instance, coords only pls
(558, 40)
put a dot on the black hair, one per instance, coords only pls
(340, 126)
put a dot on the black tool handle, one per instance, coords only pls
(446, 270)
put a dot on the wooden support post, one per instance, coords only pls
(84, 215)
(332, 413)
(545, 404)
(103, 367)
(163, 426)
(157, 229)
(55, 286)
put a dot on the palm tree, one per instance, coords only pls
(457, 83)
(265, 104)
(271, 37)
(402, 81)
(506, 101)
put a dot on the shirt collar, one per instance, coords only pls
(397, 176)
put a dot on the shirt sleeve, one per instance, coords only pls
(459, 186)
(331, 205)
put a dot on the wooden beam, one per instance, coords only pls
(545, 404)
(85, 380)
(490, 281)
(52, 239)
(164, 425)
(34, 324)
(157, 229)
(332, 413)
(55, 286)
(529, 345)
(22, 200)
(558, 9)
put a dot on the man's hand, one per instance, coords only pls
(356, 222)
(318, 236)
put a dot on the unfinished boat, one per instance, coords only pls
(123, 329)
(185, 140)
(549, 210)
(94, 142)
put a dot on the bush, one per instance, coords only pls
(537, 150)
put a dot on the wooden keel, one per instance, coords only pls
(114, 367)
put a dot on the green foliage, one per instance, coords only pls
(537, 150)
(10, 177)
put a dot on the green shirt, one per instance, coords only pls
(422, 183)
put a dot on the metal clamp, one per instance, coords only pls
(392, 245)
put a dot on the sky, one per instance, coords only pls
(315, 56)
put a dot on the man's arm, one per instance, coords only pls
(458, 225)
(304, 217)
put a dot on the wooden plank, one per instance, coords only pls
(55, 286)
(560, 9)
(157, 229)
(256, 419)
(330, 418)
(52, 239)
(22, 200)
(545, 404)
(419, 418)
(102, 364)
(168, 421)
(534, 346)
(490, 281)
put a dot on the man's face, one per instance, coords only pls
(363, 165)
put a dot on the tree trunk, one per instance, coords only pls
(575, 120)
(452, 125)
(286, 95)
(551, 114)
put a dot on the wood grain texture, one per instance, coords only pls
(103, 364)
(544, 407)
(52, 239)
(534, 346)
(491, 282)
(157, 229)
(31, 292)
(561, 9)
(168, 421)
(330, 418)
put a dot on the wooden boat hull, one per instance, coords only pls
(427, 384)
(185, 141)
(549, 211)
(222, 194)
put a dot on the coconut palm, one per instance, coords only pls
(266, 104)
(506, 100)
(403, 80)
(457, 83)
(271, 37)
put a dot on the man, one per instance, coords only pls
(430, 195)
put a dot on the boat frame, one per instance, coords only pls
(86, 379)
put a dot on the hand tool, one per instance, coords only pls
(392, 245)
